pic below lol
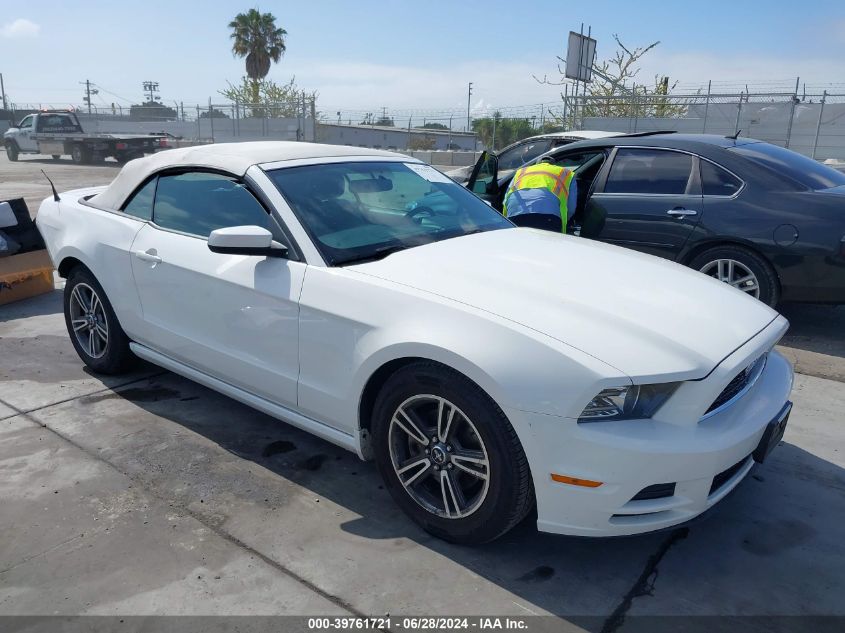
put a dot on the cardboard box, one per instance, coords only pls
(26, 275)
(29, 271)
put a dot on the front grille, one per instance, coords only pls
(742, 380)
(723, 477)
(657, 491)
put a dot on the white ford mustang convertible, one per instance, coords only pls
(484, 367)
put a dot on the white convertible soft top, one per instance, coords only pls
(234, 158)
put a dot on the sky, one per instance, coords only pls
(363, 56)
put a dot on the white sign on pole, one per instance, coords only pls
(580, 54)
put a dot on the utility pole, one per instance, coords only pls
(152, 88)
(3, 91)
(469, 97)
(88, 92)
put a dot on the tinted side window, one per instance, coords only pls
(715, 181)
(141, 204)
(653, 171)
(198, 203)
(26, 122)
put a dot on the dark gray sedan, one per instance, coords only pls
(762, 218)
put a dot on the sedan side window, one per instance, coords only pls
(200, 202)
(649, 171)
(141, 203)
(716, 181)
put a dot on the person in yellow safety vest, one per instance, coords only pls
(542, 188)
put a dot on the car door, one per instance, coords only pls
(25, 139)
(649, 200)
(484, 180)
(234, 317)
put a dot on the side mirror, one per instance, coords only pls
(245, 240)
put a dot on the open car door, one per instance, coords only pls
(484, 180)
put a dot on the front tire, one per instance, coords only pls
(93, 326)
(449, 456)
(741, 268)
(56, 156)
(12, 152)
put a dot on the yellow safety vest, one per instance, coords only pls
(543, 176)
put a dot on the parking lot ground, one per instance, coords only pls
(153, 495)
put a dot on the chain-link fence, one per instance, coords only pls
(812, 124)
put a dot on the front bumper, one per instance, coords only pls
(704, 459)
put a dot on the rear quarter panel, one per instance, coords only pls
(99, 239)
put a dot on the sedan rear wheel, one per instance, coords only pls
(742, 269)
(734, 274)
(449, 456)
(88, 318)
(93, 326)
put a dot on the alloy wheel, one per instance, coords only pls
(735, 274)
(439, 457)
(88, 319)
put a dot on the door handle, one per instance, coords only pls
(148, 256)
(681, 213)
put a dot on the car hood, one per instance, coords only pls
(645, 316)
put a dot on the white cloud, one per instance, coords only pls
(20, 28)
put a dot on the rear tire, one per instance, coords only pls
(741, 268)
(12, 152)
(80, 155)
(443, 495)
(93, 326)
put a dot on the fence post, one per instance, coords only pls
(706, 106)
(199, 123)
(313, 119)
(211, 118)
(634, 107)
(792, 112)
(738, 115)
(819, 124)
(565, 106)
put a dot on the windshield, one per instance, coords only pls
(356, 212)
(805, 170)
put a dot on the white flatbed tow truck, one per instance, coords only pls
(58, 133)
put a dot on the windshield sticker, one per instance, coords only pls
(427, 172)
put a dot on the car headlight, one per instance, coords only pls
(632, 402)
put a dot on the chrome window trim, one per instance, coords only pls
(695, 172)
(718, 197)
(758, 371)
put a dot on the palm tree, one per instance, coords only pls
(257, 38)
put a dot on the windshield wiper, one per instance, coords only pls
(379, 253)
